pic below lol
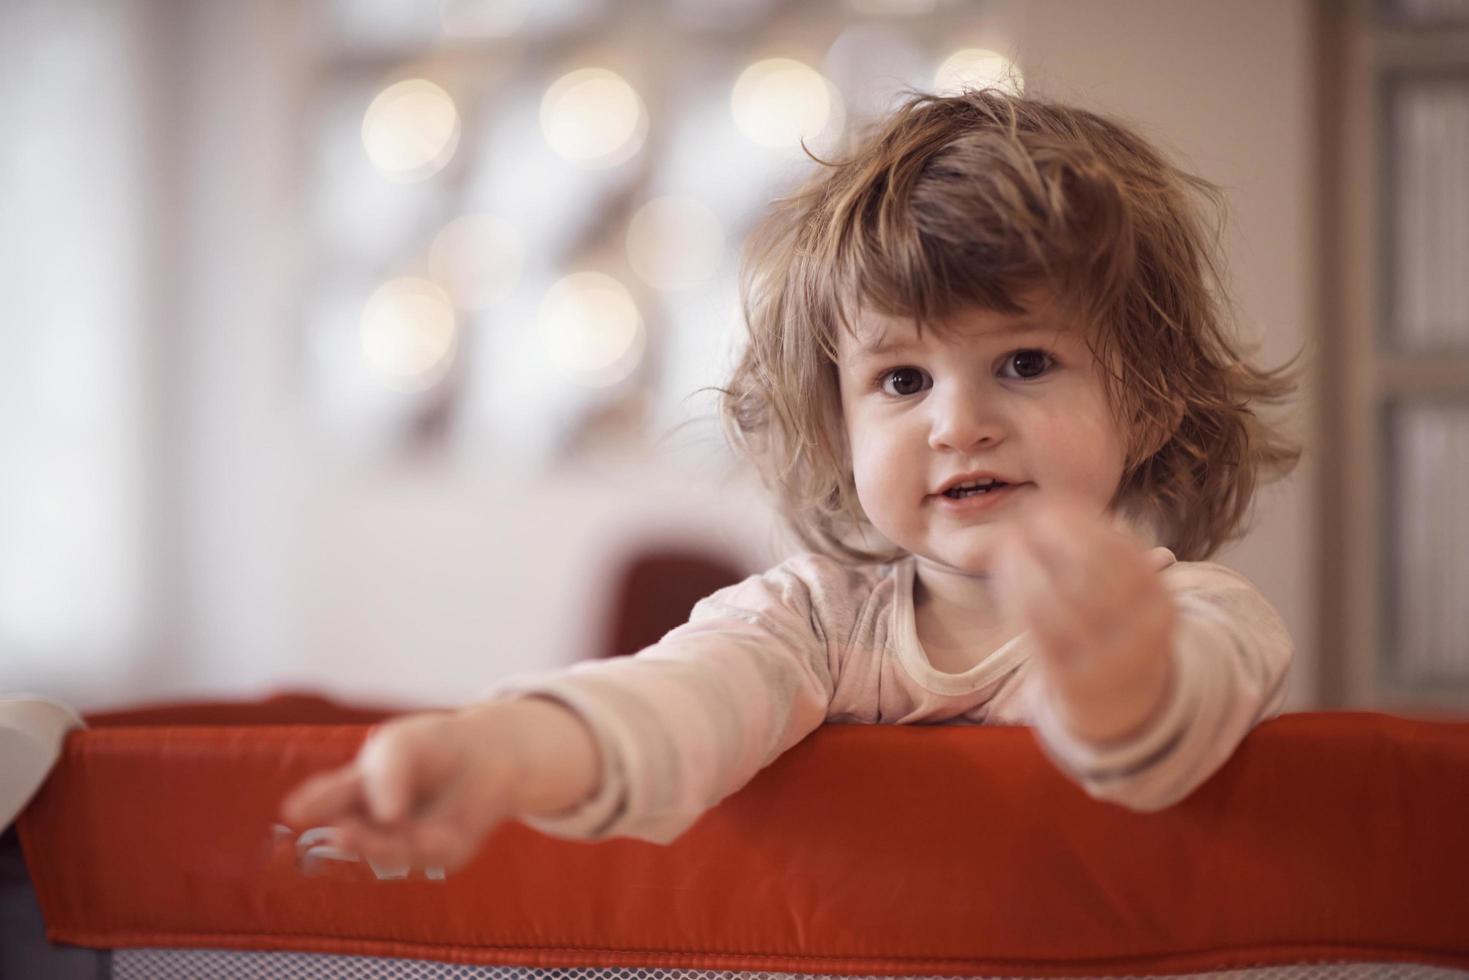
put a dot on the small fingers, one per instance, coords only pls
(437, 843)
(324, 798)
(413, 844)
(386, 765)
(454, 826)
(409, 800)
(1059, 598)
(1030, 597)
(402, 760)
(381, 845)
(1097, 568)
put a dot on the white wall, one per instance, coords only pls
(75, 263)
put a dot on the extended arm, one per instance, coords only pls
(636, 746)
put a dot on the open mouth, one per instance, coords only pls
(963, 490)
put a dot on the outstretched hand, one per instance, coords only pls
(426, 789)
(1101, 618)
(422, 792)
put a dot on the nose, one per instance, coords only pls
(963, 420)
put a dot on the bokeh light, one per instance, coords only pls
(477, 258)
(591, 329)
(593, 118)
(411, 130)
(972, 68)
(409, 334)
(779, 102)
(674, 243)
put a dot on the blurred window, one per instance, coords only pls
(1396, 355)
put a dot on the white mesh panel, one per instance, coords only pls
(203, 964)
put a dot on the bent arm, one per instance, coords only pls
(1230, 656)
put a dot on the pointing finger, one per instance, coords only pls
(386, 767)
(324, 797)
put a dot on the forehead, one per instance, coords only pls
(875, 334)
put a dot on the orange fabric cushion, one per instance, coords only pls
(280, 709)
(899, 850)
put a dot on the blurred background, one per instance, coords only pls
(357, 347)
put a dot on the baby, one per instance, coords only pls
(989, 380)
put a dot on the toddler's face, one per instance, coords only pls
(1017, 398)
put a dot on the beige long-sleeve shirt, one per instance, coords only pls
(761, 664)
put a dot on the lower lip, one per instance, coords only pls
(978, 502)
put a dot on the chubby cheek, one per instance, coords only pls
(1086, 456)
(888, 484)
(867, 474)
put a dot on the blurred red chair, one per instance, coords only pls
(654, 592)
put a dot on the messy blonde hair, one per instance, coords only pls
(975, 201)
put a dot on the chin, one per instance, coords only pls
(966, 561)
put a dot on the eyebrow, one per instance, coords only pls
(883, 347)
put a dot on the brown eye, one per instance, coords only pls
(905, 381)
(1029, 363)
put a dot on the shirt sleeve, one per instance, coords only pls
(690, 720)
(1231, 654)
